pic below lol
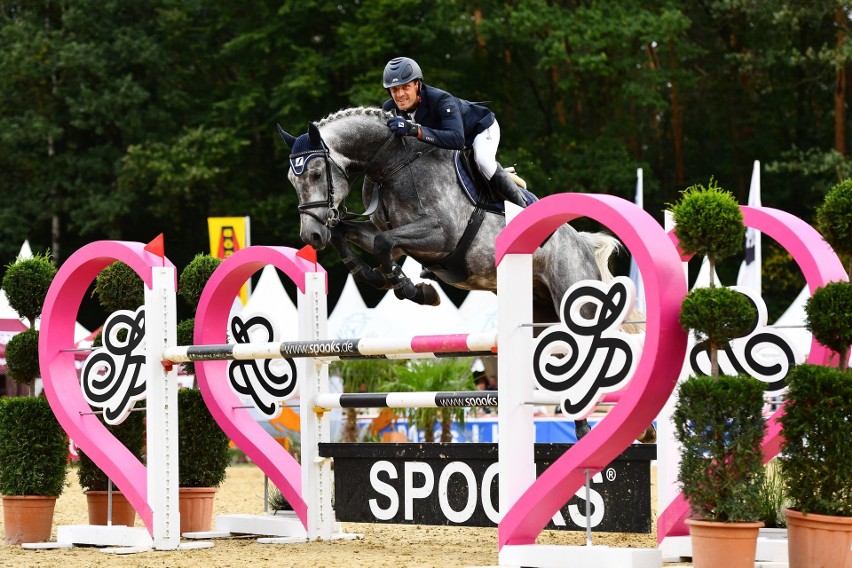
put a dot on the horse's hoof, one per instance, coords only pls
(429, 295)
(581, 428)
(649, 436)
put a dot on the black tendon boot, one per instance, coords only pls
(504, 186)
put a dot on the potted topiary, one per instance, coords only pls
(816, 465)
(96, 484)
(33, 446)
(203, 447)
(718, 420)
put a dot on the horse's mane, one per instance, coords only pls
(351, 112)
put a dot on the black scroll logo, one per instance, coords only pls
(112, 377)
(742, 355)
(587, 354)
(256, 378)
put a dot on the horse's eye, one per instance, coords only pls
(314, 175)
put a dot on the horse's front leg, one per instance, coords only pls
(387, 243)
(357, 267)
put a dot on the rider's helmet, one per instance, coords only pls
(399, 71)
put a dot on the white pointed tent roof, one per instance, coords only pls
(479, 311)
(792, 322)
(271, 299)
(350, 315)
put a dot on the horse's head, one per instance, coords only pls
(321, 184)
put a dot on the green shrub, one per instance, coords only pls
(834, 219)
(118, 287)
(194, 277)
(26, 283)
(33, 448)
(720, 426)
(829, 318)
(717, 314)
(202, 447)
(22, 356)
(816, 463)
(131, 433)
(708, 222)
(184, 336)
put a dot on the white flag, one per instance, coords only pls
(750, 269)
(634, 268)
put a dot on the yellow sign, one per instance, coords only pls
(227, 236)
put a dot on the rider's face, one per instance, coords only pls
(405, 96)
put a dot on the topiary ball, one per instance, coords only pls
(718, 314)
(118, 287)
(22, 356)
(708, 222)
(829, 316)
(185, 331)
(834, 218)
(194, 277)
(26, 284)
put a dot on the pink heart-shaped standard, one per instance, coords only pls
(211, 324)
(658, 368)
(59, 375)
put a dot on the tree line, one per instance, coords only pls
(121, 119)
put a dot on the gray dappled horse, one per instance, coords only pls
(417, 207)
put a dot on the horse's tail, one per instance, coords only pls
(603, 246)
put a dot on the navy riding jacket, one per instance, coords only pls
(446, 121)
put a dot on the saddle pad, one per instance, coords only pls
(470, 188)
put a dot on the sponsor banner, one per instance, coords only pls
(227, 236)
(457, 485)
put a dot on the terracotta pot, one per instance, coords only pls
(27, 518)
(123, 512)
(818, 541)
(196, 508)
(732, 545)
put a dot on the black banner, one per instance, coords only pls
(457, 485)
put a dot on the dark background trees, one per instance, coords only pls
(121, 119)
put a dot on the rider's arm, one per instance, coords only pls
(444, 127)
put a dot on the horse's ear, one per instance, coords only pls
(289, 139)
(314, 134)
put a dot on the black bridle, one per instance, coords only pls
(335, 214)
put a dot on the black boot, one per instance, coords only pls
(504, 186)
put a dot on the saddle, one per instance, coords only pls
(477, 188)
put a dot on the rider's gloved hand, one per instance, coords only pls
(402, 127)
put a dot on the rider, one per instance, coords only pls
(446, 121)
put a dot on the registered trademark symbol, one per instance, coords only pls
(610, 474)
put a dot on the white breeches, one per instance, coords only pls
(485, 149)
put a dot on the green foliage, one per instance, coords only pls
(829, 317)
(720, 426)
(22, 356)
(185, 332)
(202, 446)
(131, 433)
(708, 222)
(717, 314)
(26, 283)
(773, 497)
(816, 464)
(428, 375)
(194, 277)
(118, 287)
(834, 219)
(33, 448)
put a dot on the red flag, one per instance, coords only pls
(156, 247)
(308, 253)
